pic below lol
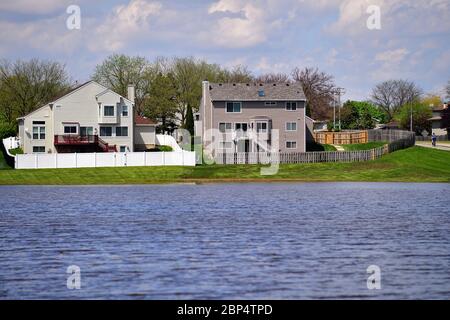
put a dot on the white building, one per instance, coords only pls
(90, 118)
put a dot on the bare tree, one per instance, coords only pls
(319, 88)
(118, 71)
(447, 90)
(28, 85)
(238, 74)
(273, 78)
(391, 95)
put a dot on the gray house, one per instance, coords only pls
(244, 115)
(437, 126)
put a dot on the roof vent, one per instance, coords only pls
(248, 84)
(220, 84)
(260, 84)
(274, 84)
(234, 84)
(287, 84)
(261, 93)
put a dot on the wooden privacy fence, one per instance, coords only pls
(395, 140)
(344, 137)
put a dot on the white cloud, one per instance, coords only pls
(125, 23)
(392, 56)
(250, 27)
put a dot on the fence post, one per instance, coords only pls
(76, 160)
(36, 161)
(56, 161)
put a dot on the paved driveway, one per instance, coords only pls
(439, 145)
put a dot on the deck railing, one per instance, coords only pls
(77, 140)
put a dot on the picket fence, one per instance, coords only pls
(395, 140)
(95, 160)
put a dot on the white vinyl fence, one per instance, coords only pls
(107, 159)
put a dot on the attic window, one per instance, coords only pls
(261, 93)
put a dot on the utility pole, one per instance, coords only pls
(337, 93)
(341, 91)
(411, 119)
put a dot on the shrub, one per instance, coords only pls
(165, 148)
(7, 130)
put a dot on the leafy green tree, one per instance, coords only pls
(161, 103)
(421, 113)
(359, 115)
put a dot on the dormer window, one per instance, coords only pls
(108, 111)
(261, 93)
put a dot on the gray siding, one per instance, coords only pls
(278, 114)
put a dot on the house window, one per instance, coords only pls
(234, 107)
(291, 144)
(70, 129)
(124, 111)
(291, 106)
(106, 131)
(224, 127)
(121, 131)
(261, 127)
(108, 111)
(270, 103)
(291, 126)
(38, 149)
(86, 131)
(38, 130)
(241, 126)
(123, 148)
(226, 145)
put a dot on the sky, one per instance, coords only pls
(410, 40)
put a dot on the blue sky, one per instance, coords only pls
(265, 35)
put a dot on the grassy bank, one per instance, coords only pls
(411, 165)
(363, 146)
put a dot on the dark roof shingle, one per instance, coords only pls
(250, 92)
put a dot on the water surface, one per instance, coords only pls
(226, 241)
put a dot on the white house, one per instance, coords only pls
(90, 118)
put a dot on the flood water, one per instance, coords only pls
(226, 241)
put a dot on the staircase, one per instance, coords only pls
(105, 147)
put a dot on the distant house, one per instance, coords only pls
(436, 120)
(245, 113)
(89, 118)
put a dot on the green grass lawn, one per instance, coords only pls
(363, 146)
(411, 165)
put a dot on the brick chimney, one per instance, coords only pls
(131, 92)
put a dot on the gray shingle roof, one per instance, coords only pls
(250, 92)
